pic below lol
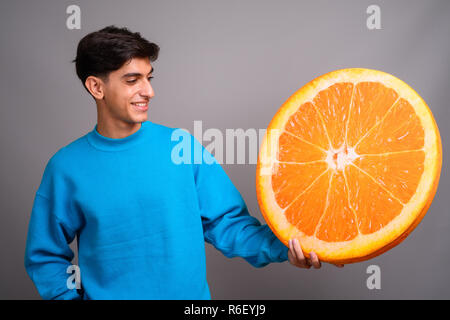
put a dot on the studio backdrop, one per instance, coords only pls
(224, 66)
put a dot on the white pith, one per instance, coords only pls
(338, 159)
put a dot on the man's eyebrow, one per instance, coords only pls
(136, 74)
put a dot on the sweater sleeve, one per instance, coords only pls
(50, 231)
(227, 224)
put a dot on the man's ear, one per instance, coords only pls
(95, 86)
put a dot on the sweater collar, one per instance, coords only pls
(109, 144)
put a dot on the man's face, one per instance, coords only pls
(128, 91)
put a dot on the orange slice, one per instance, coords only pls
(349, 165)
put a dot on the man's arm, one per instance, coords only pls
(47, 253)
(227, 224)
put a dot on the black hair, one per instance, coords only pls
(108, 49)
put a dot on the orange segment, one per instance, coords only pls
(371, 102)
(350, 166)
(307, 208)
(286, 184)
(375, 207)
(333, 104)
(306, 124)
(400, 130)
(399, 173)
(338, 222)
(293, 149)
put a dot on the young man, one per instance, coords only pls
(140, 219)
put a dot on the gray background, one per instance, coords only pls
(230, 64)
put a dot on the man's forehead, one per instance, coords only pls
(142, 66)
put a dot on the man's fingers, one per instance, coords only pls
(300, 256)
(298, 250)
(291, 247)
(315, 260)
(301, 261)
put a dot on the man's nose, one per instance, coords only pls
(147, 90)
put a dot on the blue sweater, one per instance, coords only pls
(141, 219)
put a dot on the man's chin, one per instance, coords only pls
(141, 117)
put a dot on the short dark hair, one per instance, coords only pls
(108, 49)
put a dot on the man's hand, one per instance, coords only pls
(296, 257)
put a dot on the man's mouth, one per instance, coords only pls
(141, 106)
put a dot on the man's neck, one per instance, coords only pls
(116, 129)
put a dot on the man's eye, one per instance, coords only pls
(133, 81)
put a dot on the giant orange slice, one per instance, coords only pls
(349, 165)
